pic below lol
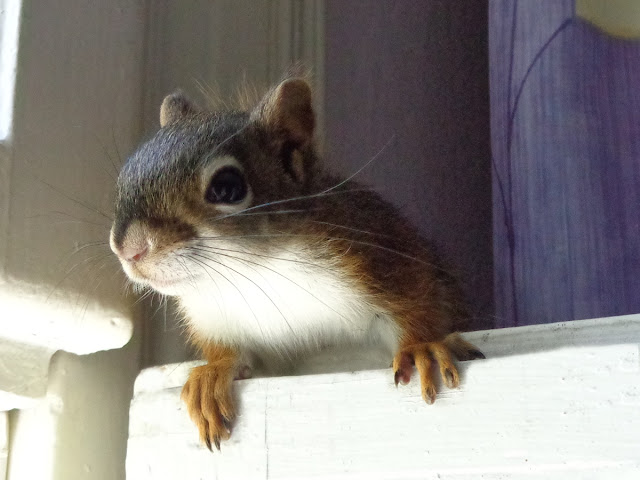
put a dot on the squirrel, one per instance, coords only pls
(271, 257)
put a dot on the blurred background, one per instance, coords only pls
(507, 131)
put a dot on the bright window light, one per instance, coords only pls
(9, 26)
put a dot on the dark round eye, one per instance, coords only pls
(227, 186)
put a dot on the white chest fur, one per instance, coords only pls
(285, 303)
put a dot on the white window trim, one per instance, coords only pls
(41, 315)
(77, 93)
(550, 401)
(4, 445)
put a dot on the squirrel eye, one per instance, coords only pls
(227, 186)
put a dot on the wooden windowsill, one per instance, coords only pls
(555, 401)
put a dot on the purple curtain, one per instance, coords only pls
(565, 128)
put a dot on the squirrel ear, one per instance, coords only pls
(176, 106)
(287, 112)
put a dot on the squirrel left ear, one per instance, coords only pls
(287, 112)
(176, 106)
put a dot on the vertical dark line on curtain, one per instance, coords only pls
(564, 25)
(508, 207)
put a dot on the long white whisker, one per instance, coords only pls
(292, 199)
(326, 237)
(213, 281)
(270, 257)
(205, 266)
(283, 276)
(375, 157)
(250, 280)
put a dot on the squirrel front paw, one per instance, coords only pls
(209, 399)
(422, 355)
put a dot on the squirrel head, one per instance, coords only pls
(201, 170)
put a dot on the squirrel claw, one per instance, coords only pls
(227, 423)
(403, 367)
(423, 355)
(207, 395)
(477, 354)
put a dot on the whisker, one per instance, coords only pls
(328, 191)
(375, 157)
(79, 220)
(208, 251)
(115, 145)
(254, 283)
(222, 313)
(270, 257)
(161, 303)
(149, 291)
(193, 283)
(75, 200)
(366, 232)
(106, 153)
(205, 266)
(351, 229)
(90, 295)
(93, 258)
(293, 199)
(326, 237)
(217, 147)
(86, 245)
(285, 277)
(78, 249)
(277, 212)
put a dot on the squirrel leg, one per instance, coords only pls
(424, 355)
(208, 395)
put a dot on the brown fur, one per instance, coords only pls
(208, 394)
(174, 107)
(368, 240)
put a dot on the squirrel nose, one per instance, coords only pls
(132, 244)
(134, 253)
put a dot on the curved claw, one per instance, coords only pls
(423, 355)
(209, 401)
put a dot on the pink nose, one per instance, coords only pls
(134, 253)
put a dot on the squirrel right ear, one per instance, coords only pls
(287, 112)
(176, 106)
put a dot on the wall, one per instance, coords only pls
(416, 74)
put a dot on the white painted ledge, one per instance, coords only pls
(552, 401)
(4, 445)
(36, 324)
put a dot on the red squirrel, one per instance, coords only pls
(271, 257)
